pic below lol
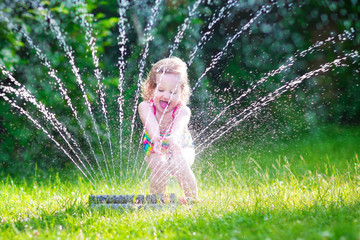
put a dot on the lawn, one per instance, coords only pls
(306, 188)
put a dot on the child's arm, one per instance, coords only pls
(180, 122)
(150, 123)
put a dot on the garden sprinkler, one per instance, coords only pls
(154, 201)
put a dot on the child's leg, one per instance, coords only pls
(181, 164)
(159, 173)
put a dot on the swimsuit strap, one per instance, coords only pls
(152, 104)
(173, 114)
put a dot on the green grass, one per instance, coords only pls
(301, 189)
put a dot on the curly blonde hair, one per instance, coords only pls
(167, 65)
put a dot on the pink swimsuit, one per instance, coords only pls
(186, 140)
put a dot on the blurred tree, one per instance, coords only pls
(269, 41)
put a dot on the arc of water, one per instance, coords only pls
(178, 38)
(290, 62)
(121, 62)
(183, 27)
(27, 96)
(215, 59)
(208, 34)
(69, 54)
(36, 123)
(344, 36)
(91, 42)
(256, 106)
(63, 91)
(155, 11)
(24, 94)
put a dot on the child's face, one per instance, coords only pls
(167, 92)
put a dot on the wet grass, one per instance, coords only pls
(305, 189)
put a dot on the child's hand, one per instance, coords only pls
(174, 142)
(157, 145)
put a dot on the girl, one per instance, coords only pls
(167, 142)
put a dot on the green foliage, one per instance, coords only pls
(267, 44)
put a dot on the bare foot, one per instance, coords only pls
(188, 200)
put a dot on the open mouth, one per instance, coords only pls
(163, 104)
